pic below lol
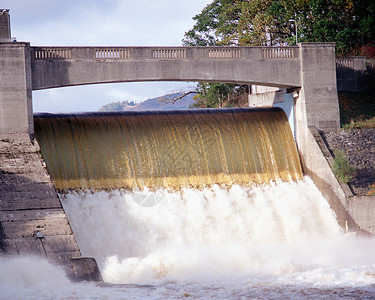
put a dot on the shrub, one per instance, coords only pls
(341, 167)
(372, 190)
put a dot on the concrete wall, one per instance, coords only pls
(265, 96)
(362, 210)
(315, 165)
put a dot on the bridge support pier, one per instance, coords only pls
(16, 116)
(317, 104)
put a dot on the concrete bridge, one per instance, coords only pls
(308, 69)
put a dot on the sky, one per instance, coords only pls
(102, 23)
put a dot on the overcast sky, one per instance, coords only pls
(102, 23)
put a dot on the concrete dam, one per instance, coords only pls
(57, 168)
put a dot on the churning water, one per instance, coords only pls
(279, 241)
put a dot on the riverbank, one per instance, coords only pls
(359, 148)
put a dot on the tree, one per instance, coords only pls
(348, 23)
(212, 95)
(204, 31)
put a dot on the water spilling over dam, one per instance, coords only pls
(168, 149)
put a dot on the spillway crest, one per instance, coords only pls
(167, 149)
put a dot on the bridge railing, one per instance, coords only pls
(168, 53)
(47, 53)
(344, 63)
(110, 53)
(224, 53)
(278, 52)
(354, 63)
(163, 53)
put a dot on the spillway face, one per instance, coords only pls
(194, 148)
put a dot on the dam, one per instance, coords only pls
(142, 193)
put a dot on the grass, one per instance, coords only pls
(361, 123)
(341, 167)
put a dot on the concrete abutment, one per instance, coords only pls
(32, 219)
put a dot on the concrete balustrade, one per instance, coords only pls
(45, 53)
(112, 53)
(224, 53)
(370, 64)
(277, 52)
(344, 63)
(167, 53)
(164, 52)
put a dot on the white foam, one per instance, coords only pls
(212, 234)
(276, 242)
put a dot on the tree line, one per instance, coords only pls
(348, 23)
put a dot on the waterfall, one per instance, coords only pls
(174, 149)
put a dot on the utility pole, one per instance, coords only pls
(295, 26)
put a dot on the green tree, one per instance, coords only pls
(204, 31)
(348, 23)
(212, 95)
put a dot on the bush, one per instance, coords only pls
(372, 190)
(341, 167)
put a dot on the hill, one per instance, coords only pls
(159, 103)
